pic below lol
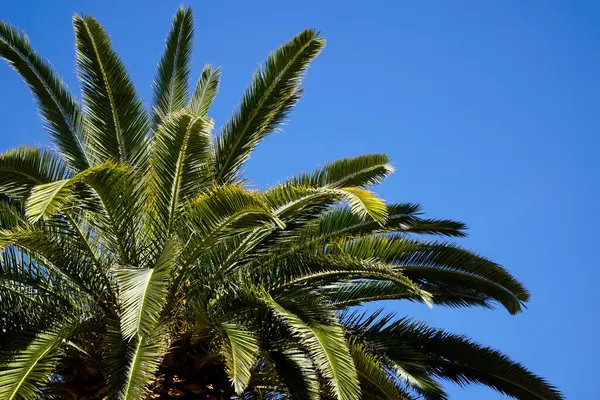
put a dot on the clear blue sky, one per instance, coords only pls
(489, 109)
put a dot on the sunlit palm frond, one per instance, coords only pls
(266, 103)
(324, 340)
(143, 357)
(57, 107)
(24, 167)
(22, 377)
(241, 353)
(206, 90)
(180, 165)
(361, 171)
(171, 85)
(143, 290)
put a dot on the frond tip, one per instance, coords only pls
(266, 103)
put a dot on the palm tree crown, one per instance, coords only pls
(137, 264)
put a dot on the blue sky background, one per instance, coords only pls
(489, 110)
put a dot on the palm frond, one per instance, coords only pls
(143, 291)
(22, 376)
(179, 165)
(343, 222)
(63, 259)
(297, 372)
(241, 353)
(144, 357)
(327, 348)
(266, 103)
(459, 359)
(57, 107)
(48, 198)
(171, 85)
(224, 212)
(116, 123)
(317, 270)
(361, 171)
(24, 167)
(291, 202)
(11, 215)
(439, 264)
(206, 90)
(374, 377)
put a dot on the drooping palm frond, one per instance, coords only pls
(171, 85)
(241, 353)
(449, 356)
(24, 167)
(116, 123)
(297, 373)
(206, 90)
(289, 201)
(375, 379)
(266, 103)
(439, 264)
(59, 110)
(326, 347)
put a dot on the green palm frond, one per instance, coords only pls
(24, 167)
(62, 259)
(361, 171)
(439, 265)
(297, 372)
(266, 103)
(120, 194)
(342, 222)
(315, 271)
(116, 123)
(181, 281)
(179, 165)
(294, 202)
(57, 107)
(22, 377)
(327, 348)
(143, 291)
(374, 377)
(206, 90)
(144, 356)
(24, 283)
(224, 212)
(241, 353)
(11, 215)
(48, 198)
(453, 357)
(171, 85)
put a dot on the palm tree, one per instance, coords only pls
(137, 264)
